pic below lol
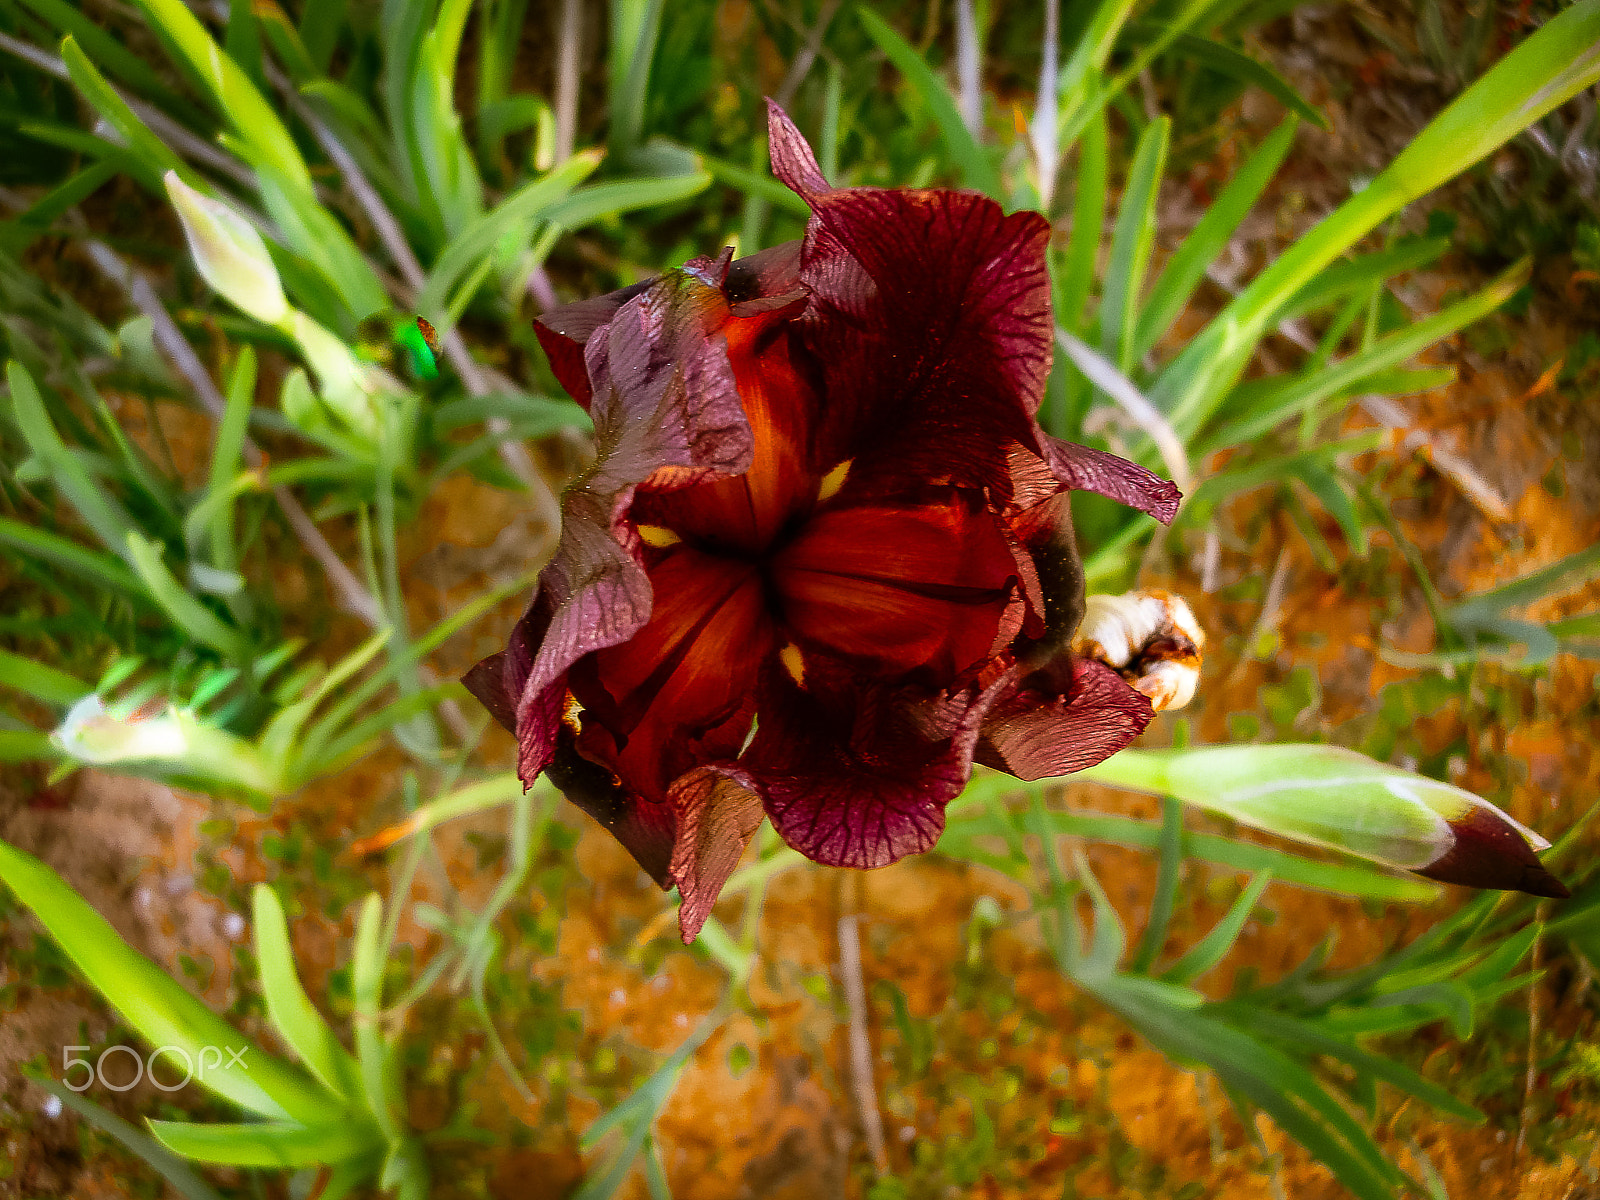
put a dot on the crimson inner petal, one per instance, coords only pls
(899, 588)
(746, 513)
(679, 689)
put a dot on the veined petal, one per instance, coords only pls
(564, 332)
(745, 513)
(1087, 470)
(930, 319)
(858, 774)
(1034, 735)
(718, 811)
(900, 588)
(663, 395)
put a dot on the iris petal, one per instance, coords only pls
(857, 774)
(1034, 734)
(673, 694)
(899, 588)
(930, 317)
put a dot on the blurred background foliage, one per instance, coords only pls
(228, 508)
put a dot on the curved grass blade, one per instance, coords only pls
(157, 1007)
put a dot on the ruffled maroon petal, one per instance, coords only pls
(718, 812)
(746, 512)
(563, 332)
(663, 395)
(1086, 470)
(1034, 735)
(930, 317)
(858, 775)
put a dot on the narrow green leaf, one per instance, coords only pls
(150, 151)
(1317, 385)
(290, 1009)
(753, 183)
(474, 243)
(70, 19)
(226, 453)
(267, 1144)
(1213, 948)
(975, 168)
(1088, 215)
(157, 1007)
(1362, 272)
(1168, 870)
(635, 26)
(26, 745)
(603, 199)
(1210, 236)
(374, 1057)
(1131, 242)
(320, 26)
(252, 118)
(1560, 59)
(111, 522)
(184, 1180)
(192, 617)
(40, 681)
(1228, 61)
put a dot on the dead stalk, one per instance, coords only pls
(861, 1080)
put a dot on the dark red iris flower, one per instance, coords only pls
(824, 560)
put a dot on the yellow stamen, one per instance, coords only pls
(793, 662)
(833, 481)
(658, 536)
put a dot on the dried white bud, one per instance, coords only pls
(1149, 638)
(229, 253)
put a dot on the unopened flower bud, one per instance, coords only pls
(229, 253)
(1331, 796)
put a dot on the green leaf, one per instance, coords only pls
(112, 523)
(468, 249)
(253, 119)
(379, 1081)
(1088, 215)
(1317, 384)
(1131, 241)
(1210, 236)
(635, 25)
(288, 1006)
(193, 618)
(1559, 60)
(1228, 61)
(173, 1169)
(1348, 878)
(976, 171)
(1214, 947)
(151, 153)
(268, 1144)
(157, 1007)
(40, 681)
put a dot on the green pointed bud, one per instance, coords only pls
(229, 253)
(1334, 797)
